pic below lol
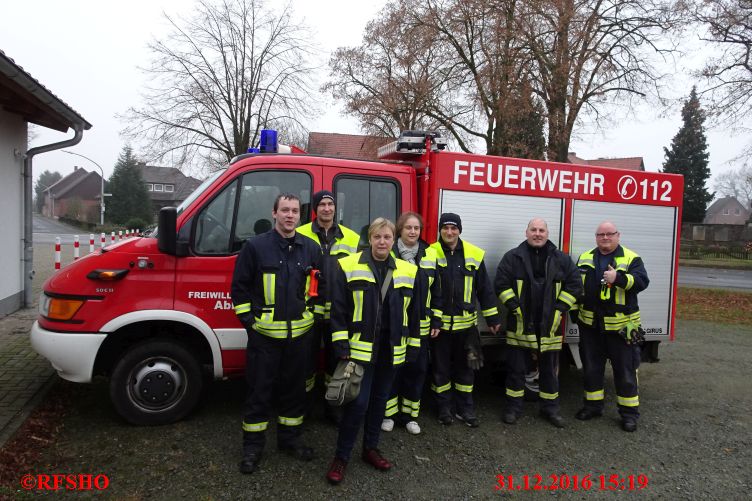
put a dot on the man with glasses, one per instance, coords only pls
(609, 320)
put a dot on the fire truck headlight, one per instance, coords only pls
(107, 275)
(56, 308)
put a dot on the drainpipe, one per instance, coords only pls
(28, 255)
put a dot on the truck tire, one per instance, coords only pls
(156, 382)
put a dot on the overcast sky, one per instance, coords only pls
(88, 52)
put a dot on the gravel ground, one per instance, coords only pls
(693, 442)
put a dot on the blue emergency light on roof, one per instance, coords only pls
(268, 143)
(254, 150)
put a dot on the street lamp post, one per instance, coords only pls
(101, 190)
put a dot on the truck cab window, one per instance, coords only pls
(361, 200)
(222, 229)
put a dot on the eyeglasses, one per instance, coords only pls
(604, 235)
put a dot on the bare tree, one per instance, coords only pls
(727, 26)
(221, 76)
(389, 81)
(736, 183)
(591, 52)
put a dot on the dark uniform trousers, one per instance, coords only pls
(595, 347)
(451, 372)
(408, 387)
(321, 330)
(274, 365)
(517, 361)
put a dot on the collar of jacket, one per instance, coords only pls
(318, 229)
(367, 258)
(446, 248)
(522, 248)
(282, 241)
(422, 246)
(618, 252)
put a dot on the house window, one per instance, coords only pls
(725, 212)
(149, 187)
(169, 188)
(158, 187)
(738, 211)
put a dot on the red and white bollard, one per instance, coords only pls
(120, 234)
(75, 247)
(91, 243)
(57, 253)
(112, 240)
(102, 240)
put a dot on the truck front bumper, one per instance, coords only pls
(71, 354)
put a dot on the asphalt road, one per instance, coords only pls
(46, 230)
(715, 278)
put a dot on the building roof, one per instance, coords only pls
(714, 213)
(353, 146)
(67, 183)
(184, 185)
(628, 163)
(23, 95)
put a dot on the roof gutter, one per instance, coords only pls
(28, 255)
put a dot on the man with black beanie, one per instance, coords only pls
(538, 284)
(464, 282)
(336, 241)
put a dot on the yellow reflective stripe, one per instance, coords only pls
(621, 296)
(429, 264)
(490, 311)
(468, 293)
(522, 340)
(363, 356)
(465, 388)
(270, 280)
(595, 395)
(605, 292)
(441, 389)
(414, 342)
(519, 288)
(357, 306)
(621, 266)
(310, 383)
(459, 322)
(342, 248)
(630, 281)
(567, 298)
(515, 393)
(290, 421)
(403, 281)
(278, 328)
(555, 323)
(255, 426)
(628, 401)
(506, 295)
(340, 336)
(548, 396)
(242, 308)
(405, 306)
(391, 407)
(586, 317)
(550, 343)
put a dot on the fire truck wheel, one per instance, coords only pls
(156, 382)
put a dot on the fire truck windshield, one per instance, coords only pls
(198, 191)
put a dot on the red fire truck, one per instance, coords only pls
(154, 314)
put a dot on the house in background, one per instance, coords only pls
(167, 186)
(24, 100)
(726, 210)
(628, 163)
(75, 196)
(353, 146)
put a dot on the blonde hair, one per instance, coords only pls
(379, 223)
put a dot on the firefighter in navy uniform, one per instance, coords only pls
(538, 284)
(336, 241)
(464, 282)
(270, 294)
(608, 320)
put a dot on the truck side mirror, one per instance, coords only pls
(167, 230)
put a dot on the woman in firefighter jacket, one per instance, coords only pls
(404, 402)
(370, 326)
(538, 284)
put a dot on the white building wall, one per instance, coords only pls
(13, 136)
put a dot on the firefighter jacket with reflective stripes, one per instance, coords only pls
(464, 282)
(615, 306)
(270, 284)
(344, 243)
(427, 288)
(514, 283)
(357, 308)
